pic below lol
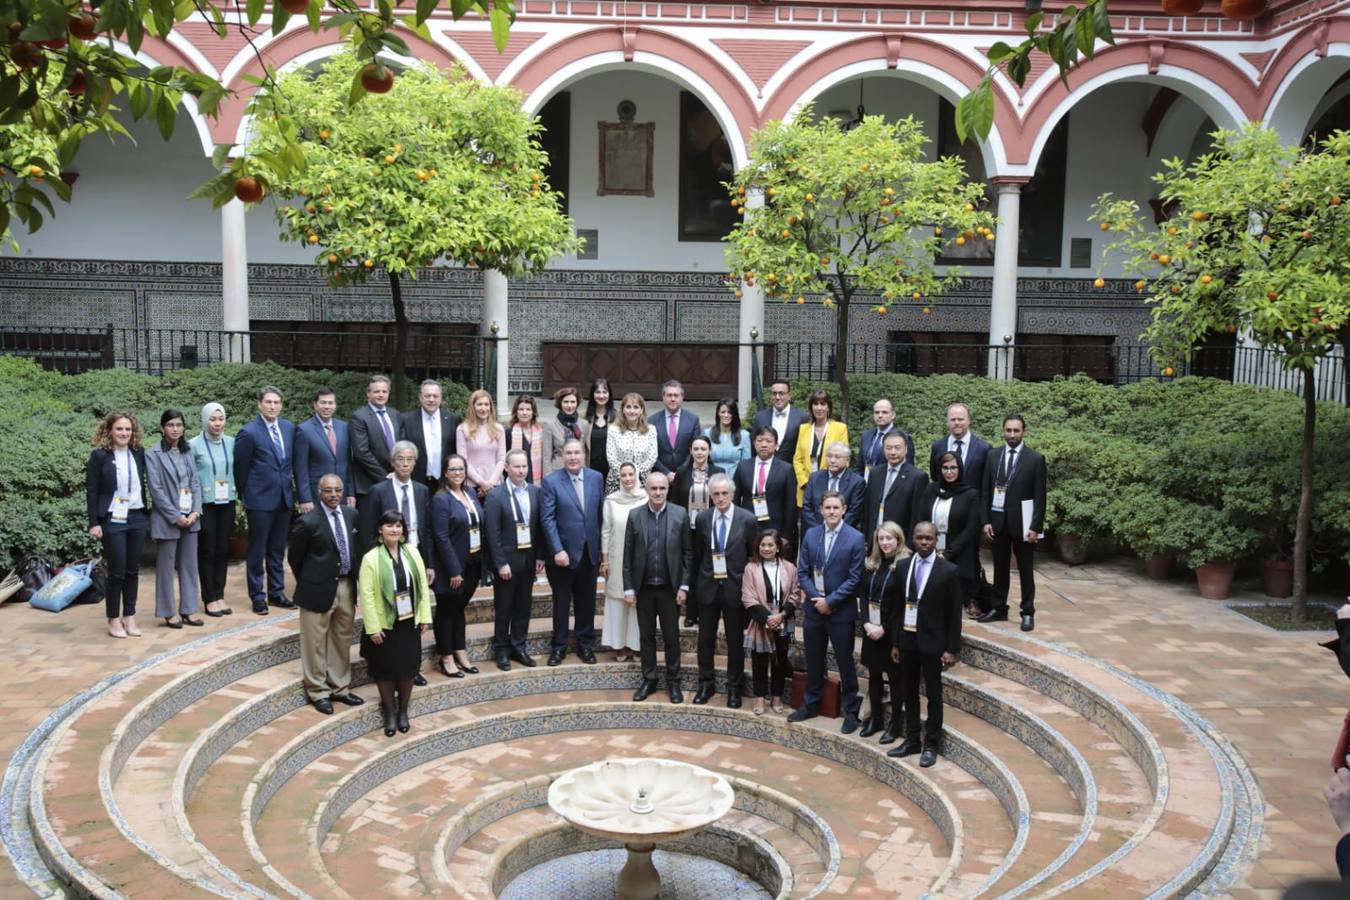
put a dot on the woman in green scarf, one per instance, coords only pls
(396, 609)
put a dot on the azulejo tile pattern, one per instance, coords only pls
(590, 876)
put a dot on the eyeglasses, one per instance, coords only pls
(455, 469)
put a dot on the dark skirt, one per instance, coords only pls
(875, 654)
(400, 655)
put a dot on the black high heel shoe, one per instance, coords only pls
(388, 715)
(468, 670)
(403, 723)
(440, 667)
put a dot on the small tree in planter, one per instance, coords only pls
(1216, 543)
(1153, 525)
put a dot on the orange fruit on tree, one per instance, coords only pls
(1099, 283)
(1165, 259)
(1168, 372)
(377, 78)
(1199, 216)
(1105, 226)
(1205, 279)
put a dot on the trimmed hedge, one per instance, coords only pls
(47, 421)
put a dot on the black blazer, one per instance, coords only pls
(788, 446)
(899, 505)
(780, 490)
(972, 471)
(370, 453)
(499, 529)
(1027, 483)
(683, 479)
(412, 431)
(387, 498)
(679, 547)
(872, 452)
(100, 483)
(450, 537)
(742, 533)
(315, 562)
(963, 528)
(939, 624)
(885, 588)
(851, 485)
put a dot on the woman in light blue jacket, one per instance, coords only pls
(213, 453)
(730, 442)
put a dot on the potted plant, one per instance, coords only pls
(1216, 545)
(1077, 511)
(1153, 525)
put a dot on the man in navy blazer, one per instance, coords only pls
(264, 454)
(829, 569)
(514, 541)
(872, 449)
(321, 448)
(766, 479)
(836, 476)
(783, 418)
(674, 421)
(974, 450)
(570, 504)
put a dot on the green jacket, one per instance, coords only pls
(375, 587)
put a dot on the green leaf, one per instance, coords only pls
(1085, 33)
(312, 15)
(1033, 23)
(1101, 20)
(975, 112)
(279, 19)
(254, 10)
(999, 52)
(425, 8)
(501, 26)
(166, 114)
(460, 8)
(396, 44)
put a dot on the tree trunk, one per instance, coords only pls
(1303, 532)
(400, 386)
(842, 298)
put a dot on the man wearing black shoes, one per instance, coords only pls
(658, 559)
(722, 537)
(927, 639)
(1013, 503)
(514, 536)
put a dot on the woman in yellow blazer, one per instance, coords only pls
(814, 438)
(396, 609)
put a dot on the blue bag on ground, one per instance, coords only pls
(62, 590)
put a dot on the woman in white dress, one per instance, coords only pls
(621, 622)
(631, 440)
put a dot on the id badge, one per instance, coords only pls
(719, 561)
(403, 603)
(475, 540)
(222, 491)
(911, 617)
(942, 540)
(185, 500)
(873, 613)
(522, 535)
(818, 575)
(761, 508)
(999, 495)
(120, 507)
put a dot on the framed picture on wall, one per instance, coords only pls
(626, 158)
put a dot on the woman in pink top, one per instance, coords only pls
(482, 443)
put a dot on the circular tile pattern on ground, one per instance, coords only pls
(590, 876)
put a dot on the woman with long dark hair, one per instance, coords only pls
(730, 442)
(599, 414)
(457, 542)
(175, 520)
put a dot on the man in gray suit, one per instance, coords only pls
(658, 561)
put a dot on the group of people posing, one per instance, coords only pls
(763, 530)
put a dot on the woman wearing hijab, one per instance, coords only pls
(213, 453)
(953, 508)
(564, 426)
(621, 622)
(175, 520)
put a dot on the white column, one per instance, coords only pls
(751, 319)
(234, 276)
(1003, 308)
(495, 317)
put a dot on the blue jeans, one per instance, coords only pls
(267, 533)
(123, 543)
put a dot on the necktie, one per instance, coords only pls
(384, 424)
(958, 451)
(522, 503)
(834, 483)
(580, 485)
(431, 428)
(1009, 460)
(829, 544)
(721, 534)
(276, 442)
(332, 438)
(763, 474)
(890, 480)
(340, 532)
(878, 447)
(671, 429)
(405, 507)
(920, 576)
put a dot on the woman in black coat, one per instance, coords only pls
(118, 503)
(879, 593)
(953, 508)
(457, 548)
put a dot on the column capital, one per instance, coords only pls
(1009, 183)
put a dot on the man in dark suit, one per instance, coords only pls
(320, 554)
(432, 431)
(321, 448)
(658, 561)
(926, 636)
(514, 535)
(838, 477)
(374, 429)
(829, 569)
(767, 486)
(264, 454)
(571, 500)
(1014, 484)
(723, 537)
(411, 498)
(783, 418)
(973, 449)
(893, 490)
(872, 449)
(676, 429)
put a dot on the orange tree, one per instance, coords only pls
(850, 213)
(442, 169)
(1255, 243)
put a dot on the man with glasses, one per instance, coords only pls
(723, 536)
(783, 418)
(515, 537)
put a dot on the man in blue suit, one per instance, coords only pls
(829, 569)
(838, 477)
(973, 449)
(264, 453)
(570, 501)
(872, 449)
(321, 449)
(675, 427)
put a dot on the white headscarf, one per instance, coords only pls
(208, 411)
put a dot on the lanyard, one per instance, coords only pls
(400, 573)
(885, 578)
(515, 504)
(211, 456)
(469, 510)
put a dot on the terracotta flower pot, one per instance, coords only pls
(1161, 566)
(1243, 10)
(1182, 7)
(1072, 549)
(238, 546)
(1277, 577)
(1215, 580)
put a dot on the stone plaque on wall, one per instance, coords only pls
(626, 158)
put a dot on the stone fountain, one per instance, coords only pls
(640, 803)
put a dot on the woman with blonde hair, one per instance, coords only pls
(117, 498)
(481, 440)
(879, 594)
(631, 440)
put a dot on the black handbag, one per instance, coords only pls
(34, 572)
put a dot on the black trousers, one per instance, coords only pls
(574, 589)
(878, 676)
(1005, 547)
(657, 604)
(448, 620)
(724, 604)
(123, 543)
(769, 671)
(912, 664)
(511, 608)
(816, 634)
(213, 549)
